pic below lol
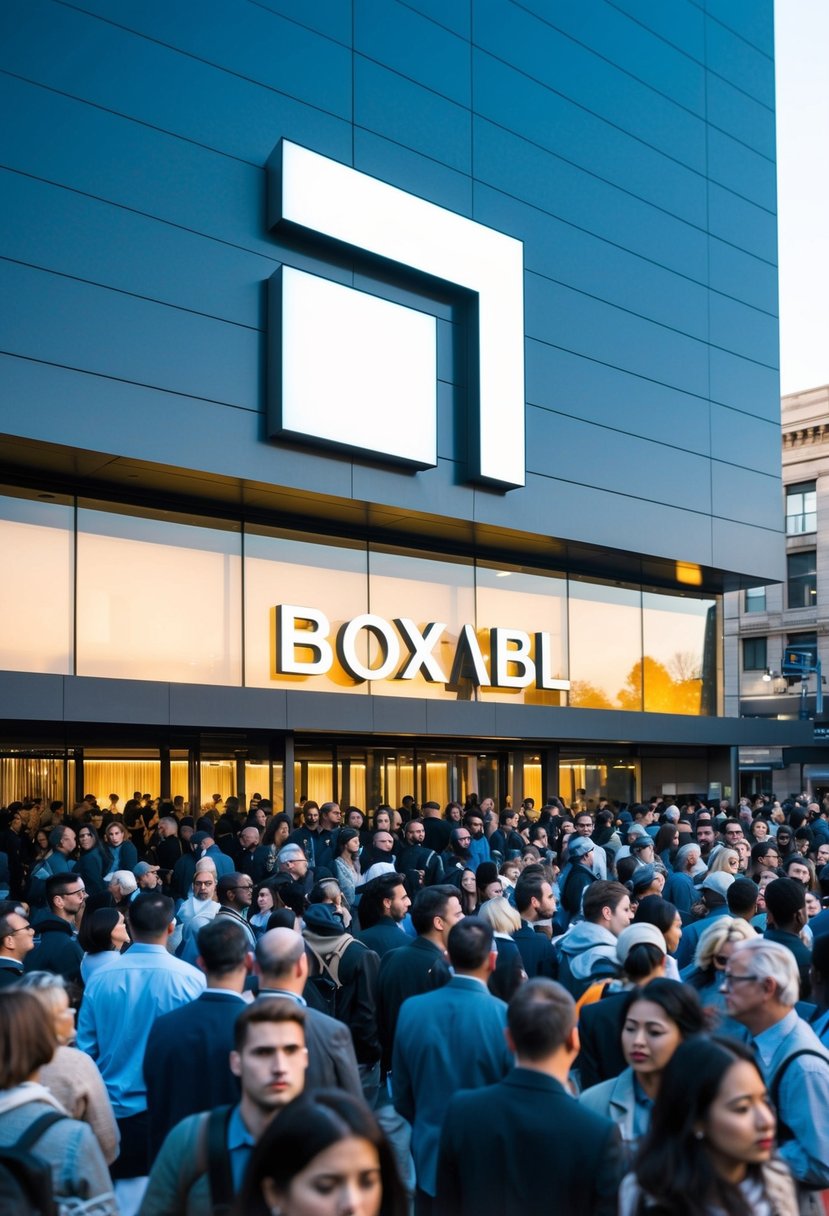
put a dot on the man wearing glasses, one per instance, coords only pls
(235, 895)
(16, 940)
(56, 947)
(761, 986)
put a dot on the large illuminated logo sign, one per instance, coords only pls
(305, 647)
(351, 369)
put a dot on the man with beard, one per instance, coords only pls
(197, 911)
(420, 864)
(457, 857)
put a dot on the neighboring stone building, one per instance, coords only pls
(762, 622)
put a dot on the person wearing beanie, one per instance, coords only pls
(575, 878)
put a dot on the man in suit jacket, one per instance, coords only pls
(534, 901)
(494, 1172)
(448, 1040)
(282, 966)
(186, 1066)
(17, 937)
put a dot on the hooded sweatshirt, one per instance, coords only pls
(588, 951)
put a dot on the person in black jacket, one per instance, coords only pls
(534, 901)
(56, 944)
(485, 1175)
(384, 903)
(353, 968)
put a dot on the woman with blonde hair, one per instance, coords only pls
(727, 860)
(714, 948)
(504, 920)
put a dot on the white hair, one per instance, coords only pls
(771, 961)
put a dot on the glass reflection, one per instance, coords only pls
(679, 659)
(605, 646)
(158, 599)
(510, 597)
(36, 540)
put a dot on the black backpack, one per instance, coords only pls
(25, 1178)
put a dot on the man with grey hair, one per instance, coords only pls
(122, 886)
(197, 910)
(282, 967)
(292, 861)
(683, 892)
(761, 986)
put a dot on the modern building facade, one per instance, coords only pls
(389, 395)
(763, 622)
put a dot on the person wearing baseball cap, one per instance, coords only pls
(147, 876)
(714, 890)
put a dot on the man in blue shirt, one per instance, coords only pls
(270, 1059)
(120, 1005)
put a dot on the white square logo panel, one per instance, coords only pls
(357, 371)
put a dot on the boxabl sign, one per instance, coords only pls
(306, 646)
(349, 369)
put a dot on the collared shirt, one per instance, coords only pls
(803, 1100)
(240, 1145)
(292, 996)
(642, 1110)
(120, 1005)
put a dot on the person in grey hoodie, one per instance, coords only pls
(587, 951)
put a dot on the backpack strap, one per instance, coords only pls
(35, 1130)
(332, 961)
(219, 1172)
(784, 1131)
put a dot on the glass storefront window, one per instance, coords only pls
(422, 590)
(598, 777)
(23, 776)
(605, 629)
(36, 609)
(158, 598)
(285, 568)
(121, 772)
(679, 663)
(218, 776)
(510, 597)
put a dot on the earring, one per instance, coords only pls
(697, 1136)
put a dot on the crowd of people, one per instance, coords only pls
(619, 1010)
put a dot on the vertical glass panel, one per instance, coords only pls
(36, 608)
(285, 568)
(218, 776)
(680, 654)
(509, 597)
(605, 629)
(158, 599)
(121, 772)
(423, 590)
(278, 794)
(352, 777)
(257, 778)
(25, 776)
(599, 777)
(180, 777)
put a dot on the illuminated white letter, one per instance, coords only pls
(389, 646)
(504, 658)
(310, 635)
(469, 662)
(421, 646)
(543, 665)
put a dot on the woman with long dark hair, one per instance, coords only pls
(325, 1154)
(709, 1149)
(91, 865)
(656, 1020)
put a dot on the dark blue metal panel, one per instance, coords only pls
(751, 70)
(739, 115)
(751, 443)
(745, 385)
(410, 115)
(681, 24)
(737, 273)
(741, 223)
(390, 33)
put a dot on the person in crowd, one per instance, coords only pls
(448, 1040)
(31, 1118)
(235, 895)
(102, 936)
(384, 904)
(185, 1060)
(535, 904)
(587, 951)
(202, 1162)
(481, 1173)
(120, 1005)
(420, 865)
(291, 860)
(785, 918)
(71, 1076)
(438, 828)
(710, 1146)
(506, 838)
(57, 860)
(17, 939)
(265, 899)
(468, 887)
(726, 860)
(819, 1020)
(655, 910)
(681, 889)
(421, 966)
(714, 891)
(324, 1154)
(347, 863)
(641, 952)
(277, 830)
(92, 862)
(714, 949)
(121, 853)
(56, 945)
(576, 877)
(657, 1018)
(308, 836)
(200, 906)
(504, 920)
(147, 876)
(282, 968)
(478, 845)
(762, 984)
